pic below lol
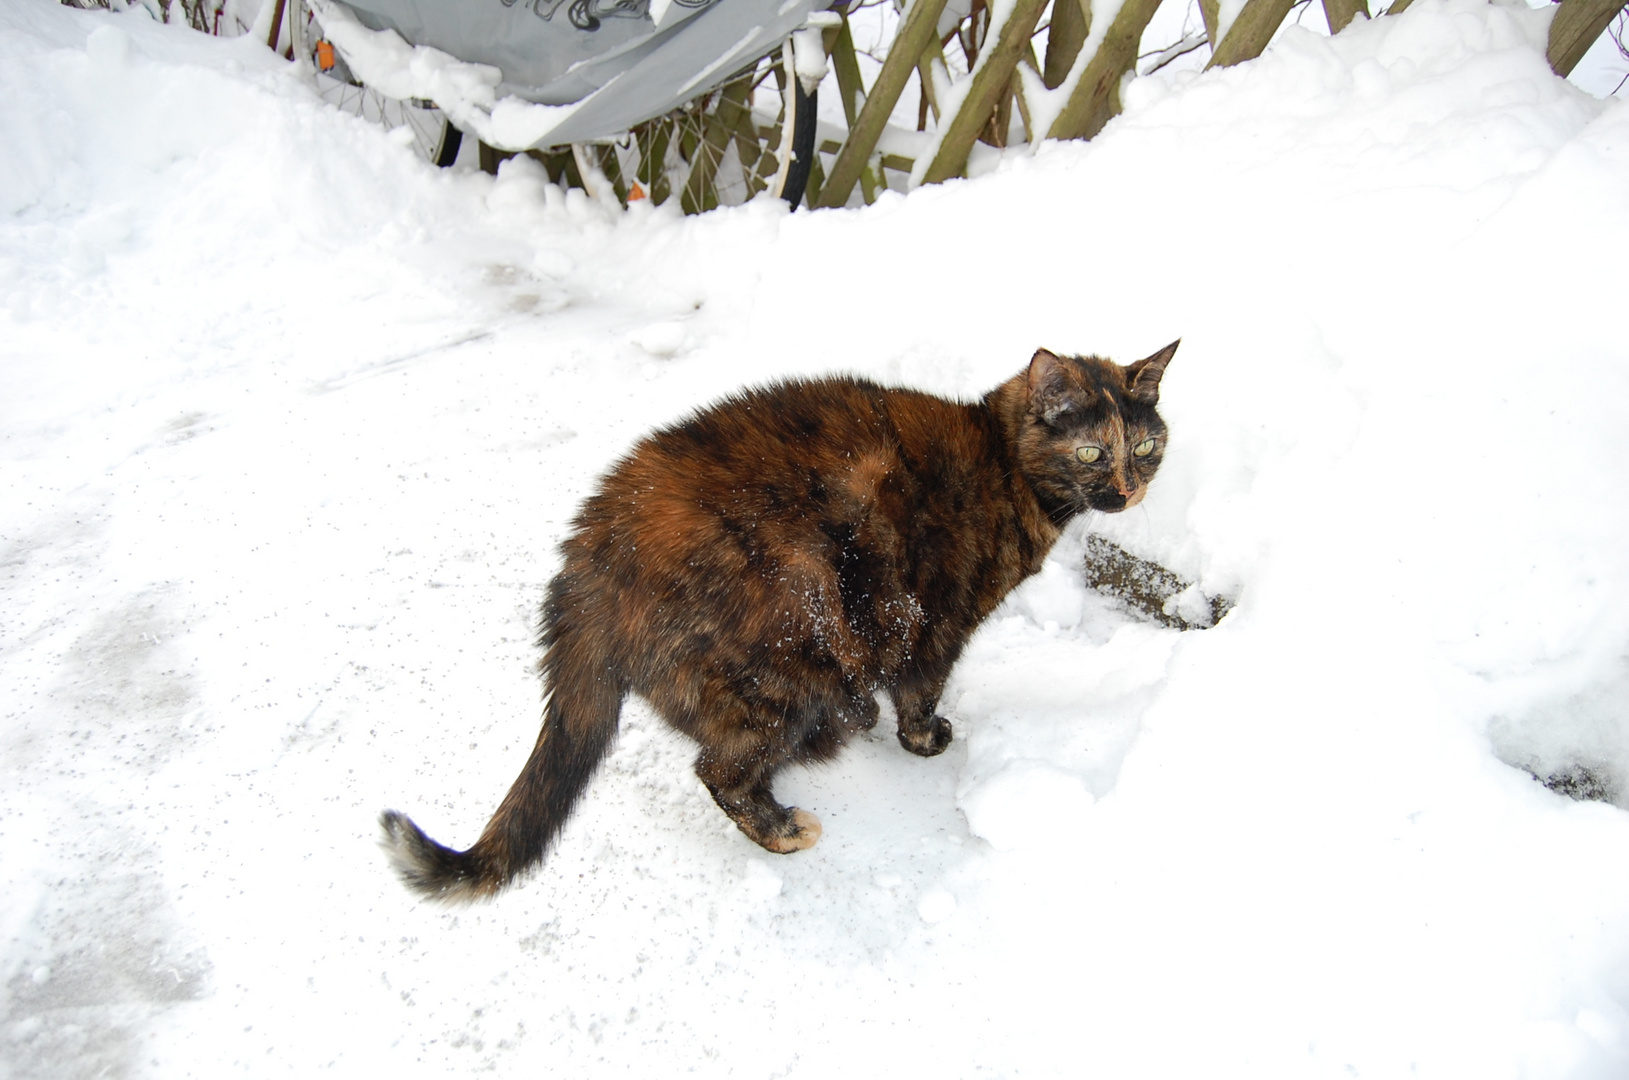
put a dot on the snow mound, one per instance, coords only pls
(1025, 804)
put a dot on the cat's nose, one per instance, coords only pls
(1125, 487)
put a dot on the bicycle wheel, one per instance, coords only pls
(435, 139)
(804, 111)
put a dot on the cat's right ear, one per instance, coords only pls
(1050, 393)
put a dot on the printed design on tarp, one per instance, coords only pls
(589, 14)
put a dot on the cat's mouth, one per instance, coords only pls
(1112, 502)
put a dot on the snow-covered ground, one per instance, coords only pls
(292, 423)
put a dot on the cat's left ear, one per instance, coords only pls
(1143, 377)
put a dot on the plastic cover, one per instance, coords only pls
(625, 60)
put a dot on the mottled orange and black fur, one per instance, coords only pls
(760, 571)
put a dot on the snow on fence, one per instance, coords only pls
(1029, 70)
(1072, 90)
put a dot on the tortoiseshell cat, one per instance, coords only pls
(760, 571)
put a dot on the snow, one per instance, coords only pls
(466, 92)
(809, 53)
(293, 423)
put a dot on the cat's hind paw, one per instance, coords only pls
(805, 831)
(928, 740)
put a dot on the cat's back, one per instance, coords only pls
(796, 433)
(769, 462)
(796, 422)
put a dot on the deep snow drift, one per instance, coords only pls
(292, 423)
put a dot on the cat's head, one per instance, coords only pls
(1092, 437)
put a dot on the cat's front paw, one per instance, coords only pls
(928, 739)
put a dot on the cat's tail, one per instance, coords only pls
(579, 723)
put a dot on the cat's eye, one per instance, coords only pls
(1089, 454)
(1144, 448)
